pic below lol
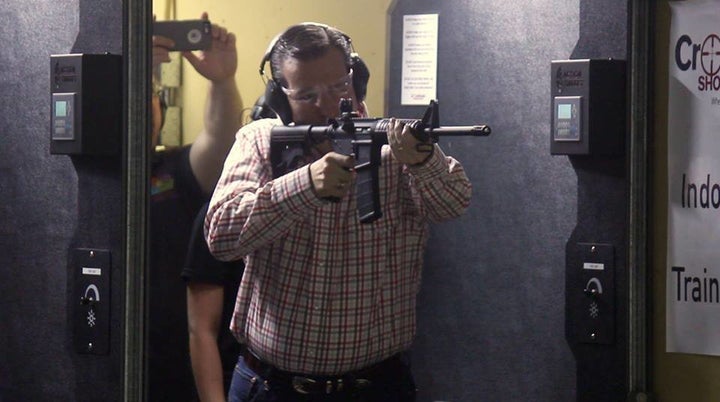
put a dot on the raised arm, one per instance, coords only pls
(249, 209)
(439, 187)
(223, 108)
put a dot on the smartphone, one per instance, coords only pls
(187, 34)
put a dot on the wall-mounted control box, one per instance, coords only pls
(590, 293)
(588, 107)
(90, 302)
(86, 104)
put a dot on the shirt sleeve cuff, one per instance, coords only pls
(295, 191)
(432, 168)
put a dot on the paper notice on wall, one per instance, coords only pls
(419, 59)
(693, 256)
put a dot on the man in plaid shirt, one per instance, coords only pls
(326, 307)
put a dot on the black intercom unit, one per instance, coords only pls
(590, 293)
(588, 107)
(90, 309)
(86, 104)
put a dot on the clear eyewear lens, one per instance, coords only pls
(311, 95)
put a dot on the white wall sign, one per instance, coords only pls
(419, 59)
(693, 260)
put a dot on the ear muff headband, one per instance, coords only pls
(276, 99)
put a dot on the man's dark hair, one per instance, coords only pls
(307, 42)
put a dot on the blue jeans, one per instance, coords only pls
(249, 386)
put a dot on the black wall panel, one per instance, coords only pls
(491, 323)
(50, 204)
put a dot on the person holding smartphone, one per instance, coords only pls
(182, 180)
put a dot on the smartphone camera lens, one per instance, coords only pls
(194, 36)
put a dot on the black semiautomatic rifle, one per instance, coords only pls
(363, 137)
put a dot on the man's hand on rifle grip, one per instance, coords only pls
(405, 147)
(332, 175)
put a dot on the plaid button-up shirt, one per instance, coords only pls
(323, 293)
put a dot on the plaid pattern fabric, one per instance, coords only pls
(323, 293)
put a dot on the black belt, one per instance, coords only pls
(386, 370)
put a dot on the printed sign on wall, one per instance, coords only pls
(419, 59)
(693, 260)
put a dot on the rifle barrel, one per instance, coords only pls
(476, 130)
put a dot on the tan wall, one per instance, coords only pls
(676, 377)
(256, 23)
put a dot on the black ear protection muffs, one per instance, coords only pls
(260, 109)
(276, 99)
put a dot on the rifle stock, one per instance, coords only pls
(364, 137)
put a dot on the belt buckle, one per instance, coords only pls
(362, 383)
(302, 385)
